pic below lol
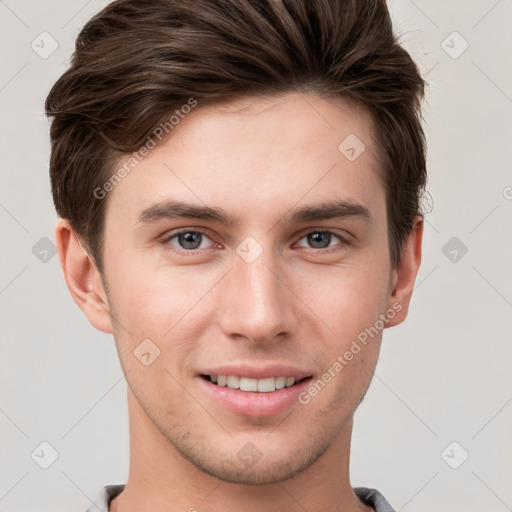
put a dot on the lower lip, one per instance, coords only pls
(255, 404)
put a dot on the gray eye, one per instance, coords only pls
(319, 239)
(189, 239)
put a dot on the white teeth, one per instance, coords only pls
(233, 382)
(247, 384)
(266, 385)
(280, 382)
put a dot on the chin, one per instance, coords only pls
(261, 473)
(250, 465)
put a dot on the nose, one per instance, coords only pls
(256, 301)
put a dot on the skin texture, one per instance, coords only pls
(258, 158)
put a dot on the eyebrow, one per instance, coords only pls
(171, 209)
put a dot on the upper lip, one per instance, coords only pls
(255, 372)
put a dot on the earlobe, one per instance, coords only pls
(405, 274)
(82, 277)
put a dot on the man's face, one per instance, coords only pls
(268, 296)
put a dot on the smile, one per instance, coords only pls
(266, 385)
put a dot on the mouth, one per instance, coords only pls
(247, 389)
(252, 385)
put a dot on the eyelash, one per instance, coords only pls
(193, 252)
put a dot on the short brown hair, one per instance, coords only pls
(138, 60)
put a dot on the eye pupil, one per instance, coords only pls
(190, 238)
(316, 238)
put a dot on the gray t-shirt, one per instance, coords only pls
(370, 497)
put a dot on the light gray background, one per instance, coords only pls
(443, 376)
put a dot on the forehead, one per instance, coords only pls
(285, 120)
(257, 152)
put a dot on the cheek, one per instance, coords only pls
(147, 296)
(351, 309)
(168, 306)
(349, 298)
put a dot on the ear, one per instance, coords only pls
(404, 276)
(82, 277)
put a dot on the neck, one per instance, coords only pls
(162, 480)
